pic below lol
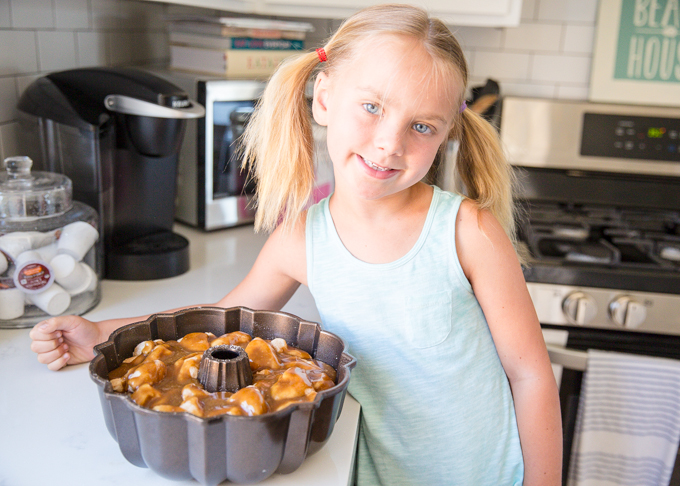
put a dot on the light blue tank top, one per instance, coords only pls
(436, 403)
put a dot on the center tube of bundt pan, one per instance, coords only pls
(225, 368)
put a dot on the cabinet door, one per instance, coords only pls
(486, 13)
(456, 12)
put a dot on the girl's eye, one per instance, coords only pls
(371, 108)
(421, 128)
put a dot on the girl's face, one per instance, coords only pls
(387, 114)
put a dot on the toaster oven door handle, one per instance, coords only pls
(569, 358)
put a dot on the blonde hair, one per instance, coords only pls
(278, 143)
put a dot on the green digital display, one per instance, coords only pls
(655, 132)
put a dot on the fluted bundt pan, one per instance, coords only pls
(227, 447)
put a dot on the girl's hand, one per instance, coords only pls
(63, 340)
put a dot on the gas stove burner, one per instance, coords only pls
(562, 230)
(596, 253)
(671, 253)
(565, 250)
(668, 249)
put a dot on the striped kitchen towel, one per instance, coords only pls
(628, 423)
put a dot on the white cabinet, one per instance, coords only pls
(490, 13)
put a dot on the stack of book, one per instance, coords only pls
(233, 47)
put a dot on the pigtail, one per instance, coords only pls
(484, 171)
(278, 145)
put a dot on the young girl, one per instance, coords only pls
(425, 286)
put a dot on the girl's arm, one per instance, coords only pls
(491, 265)
(277, 273)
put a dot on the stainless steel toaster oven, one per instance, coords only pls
(212, 190)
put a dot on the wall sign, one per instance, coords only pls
(636, 58)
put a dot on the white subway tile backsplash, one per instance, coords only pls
(134, 16)
(57, 50)
(534, 37)
(71, 14)
(18, 54)
(529, 90)
(8, 140)
(105, 14)
(528, 10)
(155, 16)
(8, 100)
(91, 49)
(501, 65)
(24, 81)
(579, 39)
(120, 48)
(141, 41)
(157, 46)
(32, 14)
(567, 10)
(4, 15)
(470, 37)
(572, 92)
(561, 69)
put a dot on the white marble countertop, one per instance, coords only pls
(52, 429)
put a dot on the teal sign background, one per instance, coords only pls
(648, 47)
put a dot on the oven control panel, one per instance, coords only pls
(630, 137)
(606, 308)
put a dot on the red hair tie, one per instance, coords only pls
(322, 55)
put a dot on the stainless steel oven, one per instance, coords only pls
(600, 200)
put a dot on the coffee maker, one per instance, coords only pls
(116, 133)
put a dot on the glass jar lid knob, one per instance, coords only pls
(18, 167)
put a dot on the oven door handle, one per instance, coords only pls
(569, 358)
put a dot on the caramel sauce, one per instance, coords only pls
(162, 376)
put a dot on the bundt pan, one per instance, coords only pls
(236, 448)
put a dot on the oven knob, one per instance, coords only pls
(579, 308)
(625, 311)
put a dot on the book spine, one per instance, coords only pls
(215, 42)
(266, 44)
(230, 63)
(207, 28)
(255, 62)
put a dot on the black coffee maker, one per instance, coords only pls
(116, 133)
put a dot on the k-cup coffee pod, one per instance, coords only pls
(33, 276)
(55, 300)
(76, 239)
(14, 244)
(11, 302)
(30, 255)
(4, 264)
(47, 252)
(41, 238)
(74, 276)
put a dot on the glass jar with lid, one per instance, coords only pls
(50, 261)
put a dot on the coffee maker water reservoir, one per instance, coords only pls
(116, 133)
